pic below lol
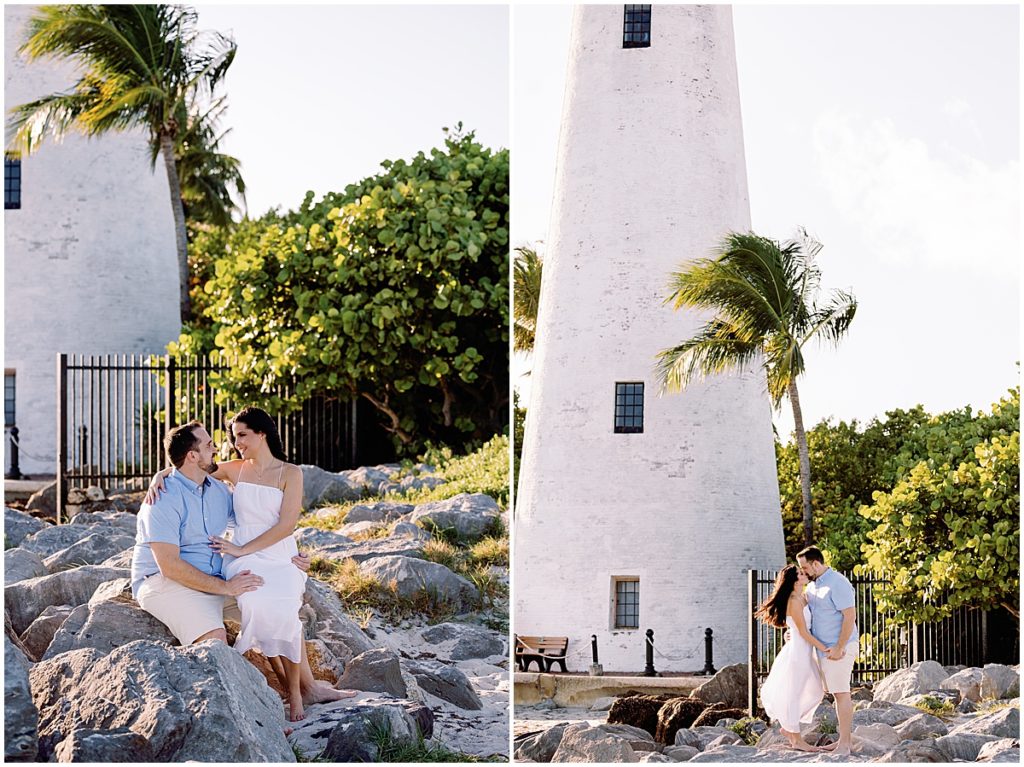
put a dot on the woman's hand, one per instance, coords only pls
(224, 546)
(155, 487)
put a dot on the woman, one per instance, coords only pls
(267, 503)
(793, 689)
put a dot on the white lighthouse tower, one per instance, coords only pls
(638, 511)
(89, 258)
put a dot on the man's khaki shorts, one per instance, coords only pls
(186, 612)
(836, 673)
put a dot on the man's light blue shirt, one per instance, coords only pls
(186, 515)
(828, 595)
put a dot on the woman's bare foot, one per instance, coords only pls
(322, 692)
(800, 744)
(296, 713)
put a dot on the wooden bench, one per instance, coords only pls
(538, 649)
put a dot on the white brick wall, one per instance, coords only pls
(89, 259)
(650, 172)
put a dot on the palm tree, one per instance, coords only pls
(140, 65)
(764, 299)
(526, 274)
(210, 180)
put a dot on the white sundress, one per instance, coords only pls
(793, 689)
(270, 614)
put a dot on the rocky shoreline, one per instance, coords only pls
(90, 676)
(926, 713)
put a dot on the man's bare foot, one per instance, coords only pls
(322, 692)
(296, 713)
(830, 746)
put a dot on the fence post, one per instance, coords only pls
(170, 417)
(752, 663)
(62, 434)
(15, 471)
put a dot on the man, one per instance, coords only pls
(834, 623)
(176, 574)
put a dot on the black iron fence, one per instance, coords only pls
(886, 645)
(114, 409)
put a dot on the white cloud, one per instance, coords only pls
(915, 204)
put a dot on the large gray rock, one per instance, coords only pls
(27, 599)
(337, 631)
(383, 511)
(541, 746)
(922, 677)
(39, 634)
(204, 702)
(320, 487)
(44, 501)
(915, 751)
(468, 515)
(1003, 723)
(921, 726)
(20, 565)
(105, 626)
(122, 520)
(966, 683)
(681, 753)
(728, 686)
(352, 740)
(638, 739)
(403, 529)
(315, 539)
(411, 576)
(461, 641)
(446, 682)
(369, 479)
(582, 743)
(882, 736)
(91, 550)
(121, 559)
(999, 681)
(374, 671)
(52, 538)
(687, 737)
(20, 715)
(964, 746)
(1005, 750)
(18, 525)
(893, 714)
(380, 547)
(117, 745)
(727, 753)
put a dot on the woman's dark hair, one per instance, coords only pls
(260, 422)
(773, 610)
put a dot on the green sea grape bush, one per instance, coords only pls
(394, 291)
(951, 523)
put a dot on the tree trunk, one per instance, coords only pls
(180, 232)
(805, 463)
(395, 428)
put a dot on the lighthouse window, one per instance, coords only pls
(636, 28)
(12, 182)
(629, 408)
(627, 603)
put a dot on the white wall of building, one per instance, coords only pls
(89, 259)
(651, 172)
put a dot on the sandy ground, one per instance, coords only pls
(530, 719)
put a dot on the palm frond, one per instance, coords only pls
(527, 270)
(713, 349)
(832, 321)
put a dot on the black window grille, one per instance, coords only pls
(627, 603)
(629, 408)
(636, 27)
(9, 399)
(12, 182)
